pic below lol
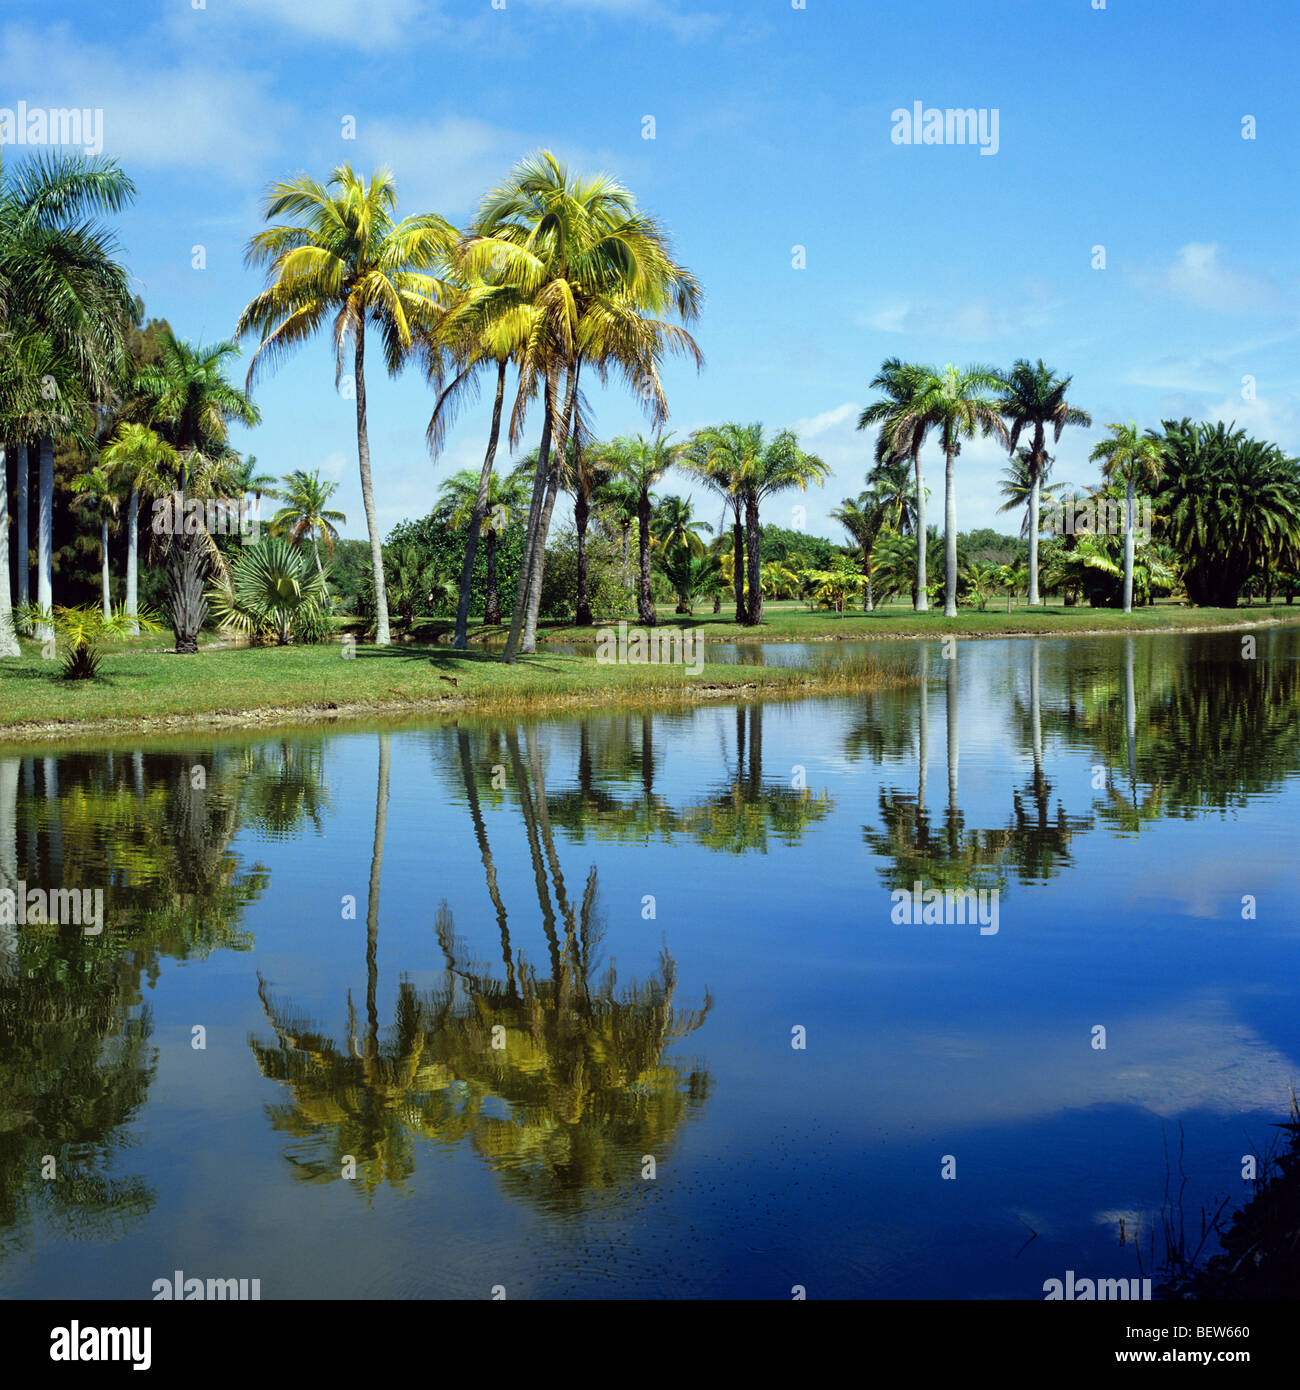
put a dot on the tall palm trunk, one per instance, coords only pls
(492, 613)
(23, 540)
(461, 640)
(382, 637)
(738, 564)
(45, 536)
(949, 534)
(581, 513)
(8, 637)
(534, 520)
(103, 566)
(1128, 549)
(754, 609)
(1035, 492)
(644, 600)
(921, 600)
(559, 453)
(869, 606)
(133, 560)
(315, 550)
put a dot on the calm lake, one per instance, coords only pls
(620, 1005)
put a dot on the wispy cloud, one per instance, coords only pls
(1199, 277)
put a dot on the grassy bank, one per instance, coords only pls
(254, 686)
(788, 621)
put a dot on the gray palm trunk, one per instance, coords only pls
(45, 536)
(530, 534)
(949, 534)
(1128, 549)
(461, 640)
(133, 560)
(738, 564)
(559, 449)
(382, 637)
(103, 566)
(922, 604)
(23, 539)
(8, 637)
(1034, 489)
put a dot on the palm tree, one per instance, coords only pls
(900, 435)
(673, 525)
(957, 404)
(191, 403)
(66, 298)
(716, 457)
(1033, 398)
(138, 456)
(599, 274)
(895, 484)
(305, 514)
(692, 573)
(459, 503)
(1017, 486)
(864, 520)
(1129, 456)
(617, 500)
(642, 463)
(247, 479)
(340, 252)
(98, 486)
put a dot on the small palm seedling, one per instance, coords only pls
(84, 631)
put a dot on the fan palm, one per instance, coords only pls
(340, 252)
(1130, 457)
(1033, 398)
(270, 586)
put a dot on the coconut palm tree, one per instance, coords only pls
(247, 479)
(957, 404)
(1129, 457)
(340, 253)
(674, 525)
(139, 457)
(1033, 398)
(864, 519)
(600, 274)
(191, 404)
(98, 486)
(66, 298)
(305, 514)
(642, 463)
(458, 502)
(901, 431)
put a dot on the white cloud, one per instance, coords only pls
(819, 424)
(977, 319)
(369, 23)
(1199, 277)
(188, 116)
(681, 23)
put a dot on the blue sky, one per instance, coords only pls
(1118, 127)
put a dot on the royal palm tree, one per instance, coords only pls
(341, 253)
(600, 275)
(305, 514)
(901, 432)
(98, 487)
(191, 404)
(1129, 457)
(1033, 398)
(957, 404)
(458, 502)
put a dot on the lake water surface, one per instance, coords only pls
(619, 1005)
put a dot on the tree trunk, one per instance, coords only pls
(492, 610)
(645, 600)
(315, 550)
(921, 600)
(1128, 549)
(9, 848)
(461, 640)
(540, 479)
(45, 536)
(738, 566)
(581, 512)
(949, 534)
(559, 453)
(1035, 488)
(8, 636)
(382, 637)
(103, 566)
(869, 605)
(132, 561)
(754, 612)
(23, 540)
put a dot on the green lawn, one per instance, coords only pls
(252, 685)
(789, 621)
